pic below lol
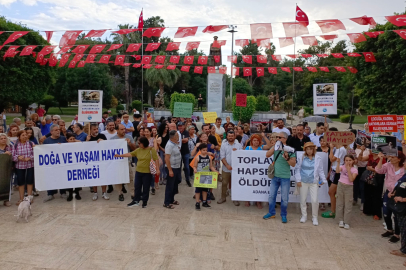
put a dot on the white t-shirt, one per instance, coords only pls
(360, 163)
(101, 127)
(279, 130)
(108, 135)
(339, 153)
(220, 131)
(314, 138)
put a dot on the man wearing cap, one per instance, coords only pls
(184, 150)
(129, 128)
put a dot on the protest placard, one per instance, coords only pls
(5, 176)
(401, 123)
(259, 126)
(149, 117)
(90, 106)
(88, 164)
(183, 109)
(325, 98)
(210, 117)
(241, 100)
(385, 123)
(250, 180)
(206, 179)
(340, 137)
(363, 138)
(385, 144)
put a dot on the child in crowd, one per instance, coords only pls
(348, 173)
(202, 163)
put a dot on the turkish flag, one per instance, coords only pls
(11, 52)
(105, 59)
(364, 20)
(69, 38)
(223, 70)
(262, 42)
(312, 69)
(172, 67)
(247, 71)
(236, 71)
(262, 59)
(114, 47)
(14, 36)
(153, 32)
(277, 57)
(340, 69)
(352, 69)
(295, 29)
(40, 57)
(310, 40)
(241, 42)
(214, 28)
(27, 50)
(133, 47)
(293, 56)
(322, 55)
(174, 59)
(140, 22)
(301, 16)
(185, 68)
(353, 54)
(337, 55)
(95, 33)
(97, 48)
(211, 69)
(325, 69)
(52, 60)
(78, 57)
(329, 37)
(273, 70)
(172, 46)
(297, 69)
(124, 31)
(217, 58)
(64, 59)
(202, 60)
(72, 64)
(192, 45)
(219, 43)
(401, 33)
(306, 55)
(186, 32)
(81, 64)
(147, 66)
(90, 58)
(369, 57)
(152, 46)
(328, 26)
(160, 59)
(188, 60)
(286, 69)
(80, 49)
(261, 30)
(44, 62)
(49, 35)
(260, 71)
(284, 42)
(247, 59)
(357, 37)
(398, 20)
(159, 66)
(146, 59)
(374, 34)
(232, 58)
(64, 49)
(137, 65)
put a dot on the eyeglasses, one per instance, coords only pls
(280, 137)
(54, 119)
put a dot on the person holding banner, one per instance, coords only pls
(78, 130)
(283, 158)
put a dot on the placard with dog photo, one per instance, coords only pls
(206, 179)
(261, 126)
(385, 144)
(363, 138)
(90, 105)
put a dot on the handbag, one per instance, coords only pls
(271, 167)
(397, 208)
(152, 165)
(367, 177)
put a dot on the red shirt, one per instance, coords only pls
(40, 112)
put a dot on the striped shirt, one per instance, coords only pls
(25, 150)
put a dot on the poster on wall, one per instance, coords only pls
(325, 99)
(90, 105)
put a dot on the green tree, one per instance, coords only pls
(263, 104)
(240, 86)
(244, 114)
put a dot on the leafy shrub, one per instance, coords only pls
(345, 118)
(178, 97)
(113, 102)
(308, 109)
(120, 107)
(244, 114)
(147, 105)
(339, 113)
(228, 104)
(136, 104)
(263, 104)
(49, 101)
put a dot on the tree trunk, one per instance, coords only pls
(161, 88)
(149, 96)
(126, 87)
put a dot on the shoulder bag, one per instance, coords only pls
(271, 167)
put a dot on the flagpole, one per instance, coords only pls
(294, 63)
(142, 69)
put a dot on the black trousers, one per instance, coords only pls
(142, 183)
(172, 183)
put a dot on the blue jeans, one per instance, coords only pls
(162, 176)
(284, 183)
(186, 168)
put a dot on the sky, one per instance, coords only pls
(64, 15)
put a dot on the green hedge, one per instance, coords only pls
(119, 108)
(136, 104)
(244, 114)
(178, 97)
(308, 109)
(263, 104)
(147, 105)
(345, 118)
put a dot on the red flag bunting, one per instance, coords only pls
(297, 69)
(374, 34)
(337, 55)
(14, 36)
(80, 49)
(137, 65)
(185, 68)
(95, 33)
(11, 52)
(232, 58)
(261, 30)
(146, 59)
(236, 71)
(301, 16)
(202, 60)
(81, 64)
(262, 59)
(152, 46)
(64, 49)
(273, 70)
(327, 26)
(44, 62)
(306, 55)
(137, 57)
(340, 69)
(260, 71)
(49, 35)
(286, 69)
(241, 42)
(172, 46)
(219, 43)
(126, 64)
(77, 57)
(64, 59)
(172, 67)
(247, 71)
(97, 48)
(398, 20)
(291, 56)
(69, 38)
(352, 69)
(322, 55)
(52, 60)
(214, 28)
(188, 60)
(27, 50)
(134, 47)
(223, 70)
(211, 69)
(124, 31)
(312, 69)
(159, 66)
(247, 59)
(153, 32)
(284, 42)
(262, 42)
(90, 58)
(295, 29)
(198, 70)
(310, 40)
(325, 69)
(40, 58)
(186, 32)
(140, 22)
(192, 45)
(114, 47)
(160, 59)
(329, 37)
(364, 20)
(369, 57)
(105, 59)
(72, 64)
(174, 59)
(217, 58)
(357, 37)
(353, 54)
(147, 66)
(277, 57)
(401, 33)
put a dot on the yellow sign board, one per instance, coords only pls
(210, 117)
(206, 179)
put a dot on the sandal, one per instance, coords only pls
(259, 205)
(18, 203)
(322, 206)
(175, 203)
(328, 214)
(7, 203)
(398, 253)
(247, 204)
(376, 217)
(170, 206)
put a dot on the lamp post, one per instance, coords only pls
(232, 31)
(352, 108)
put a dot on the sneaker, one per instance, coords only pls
(35, 193)
(393, 239)
(153, 191)
(91, 189)
(133, 203)
(49, 198)
(341, 224)
(268, 216)
(144, 205)
(315, 222)
(347, 227)
(77, 196)
(95, 197)
(212, 196)
(205, 204)
(110, 189)
(197, 206)
(121, 197)
(25, 194)
(164, 182)
(123, 189)
(105, 196)
(303, 219)
(63, 196)
(362, 207)
(387, 234)
(70, 197)
(284, 219)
